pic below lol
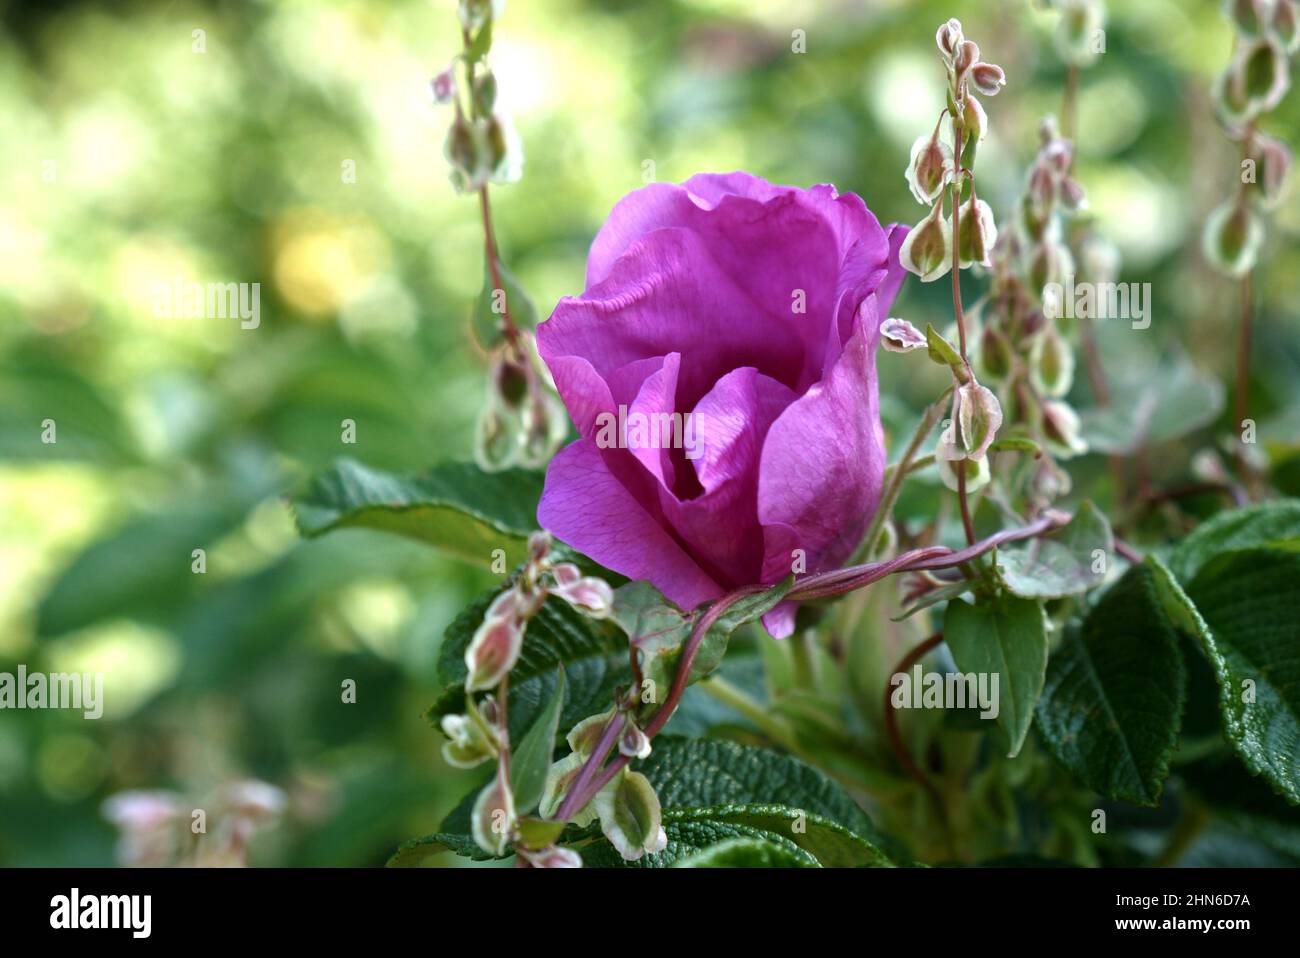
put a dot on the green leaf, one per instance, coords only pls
(659, 630)
(1060, 563)
(532, 759)
(1244, 802)
(944, 593)
(1150, 406)
(1005, 636)
(412, 852)
(1112, 703)
(593, 654)
(1273, 525)
(943, 352)
(743, 853)
(455, 507)
(689, 834)
(693, 773)
(1250, 604)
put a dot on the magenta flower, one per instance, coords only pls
(720, 369)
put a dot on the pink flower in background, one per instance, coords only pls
(752, 312)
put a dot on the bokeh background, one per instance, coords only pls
(128, 159)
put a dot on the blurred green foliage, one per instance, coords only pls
(130, 160)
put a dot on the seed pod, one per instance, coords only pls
(930, 168)
(630, 816)
(1049, 262)
(993, 354)
(1247, 16)
(977, 473)
(1051, 363)
(1061, 429)
(927, 250)
(493, 650)
(977, 233)
(467, 742)
(1286, 25)
(1275, 163)
(551, 857)
(1077, 30)
(493, 817)
(980, 418)
(967, 55)
(559, 779)
(1232, 237)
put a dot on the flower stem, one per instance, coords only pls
(896, 742)
(1242, 390)
(898, 472)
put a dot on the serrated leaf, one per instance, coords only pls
(743, 853)
(688, 835)
(690, 773)
(1272, 525)
(455, 507)
(1112, 702)
(1006, 636)
(659, 630)
(593, 653)
(530, 761)
(1060, 563)
(1151, 406)
(412, 852)
(1250, 605)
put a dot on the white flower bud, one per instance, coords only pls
(900, 336)
(987, 78)
(949, 38)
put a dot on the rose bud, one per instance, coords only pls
(1232, 237)
(1061, 429)
(1286, 24)
(493, 817)
(630, 816)
(987, 78)
(1051, 363)
(980, 418)
(977, 472)
(930, 168)
(977, 233)
(900, 336)
(927, 251)
(494, 649)
(949, 38)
